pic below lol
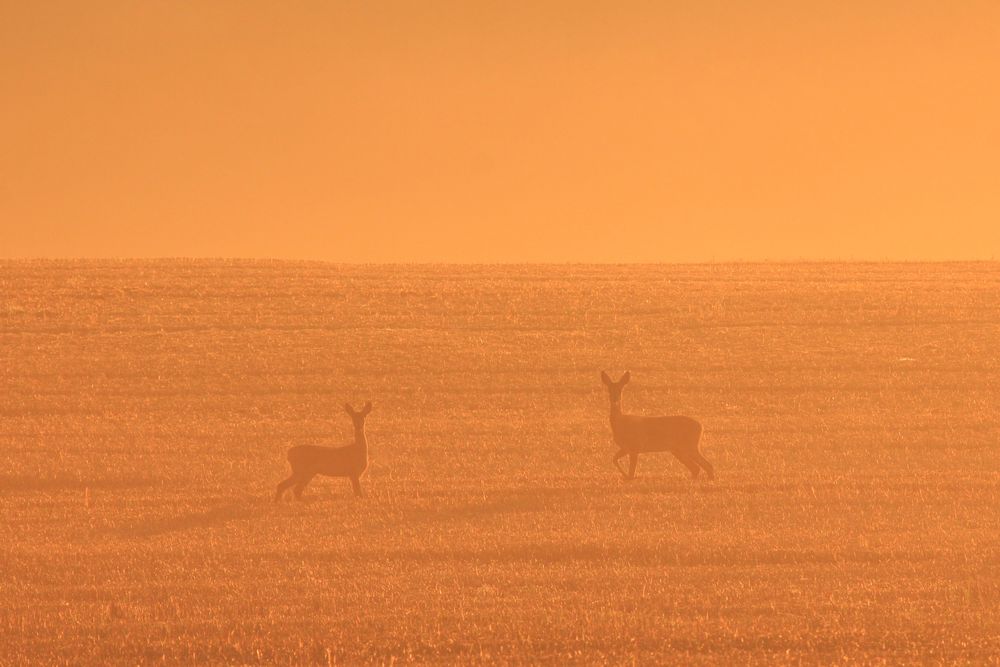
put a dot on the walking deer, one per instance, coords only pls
(635, 435)
(351, 461)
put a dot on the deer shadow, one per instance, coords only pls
(219, 515)
(528, 499)
(64, 483)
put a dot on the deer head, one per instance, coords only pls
(358, 416)
(615, 388)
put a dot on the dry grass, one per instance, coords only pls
(851, 412)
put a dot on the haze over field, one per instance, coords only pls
(493, 131)
(527, 243)
(849, 410)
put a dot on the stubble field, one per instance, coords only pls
(850, 410)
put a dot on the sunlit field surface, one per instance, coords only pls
(852, 412)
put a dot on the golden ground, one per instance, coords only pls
(851, 411)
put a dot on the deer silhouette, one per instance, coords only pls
(351, 461)
(636, 435)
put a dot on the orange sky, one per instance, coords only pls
(500, 131)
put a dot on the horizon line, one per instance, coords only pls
(424, 262)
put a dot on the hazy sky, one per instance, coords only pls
(500, 131)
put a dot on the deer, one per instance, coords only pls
(636, 435)
(350, 461)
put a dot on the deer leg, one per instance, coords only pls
(633, 459)
(616, 459)
(356, 483)
(703, 462)
(301, 485)
(687, 458)
(283, 486)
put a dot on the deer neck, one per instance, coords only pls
(361, 441)
(616, 414)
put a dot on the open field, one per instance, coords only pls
(852, 412)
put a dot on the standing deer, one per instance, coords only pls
(309, 460)
(634, 434)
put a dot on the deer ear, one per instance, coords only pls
(605, 379)
(368, 408)
(626, 378)
(349, 409)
